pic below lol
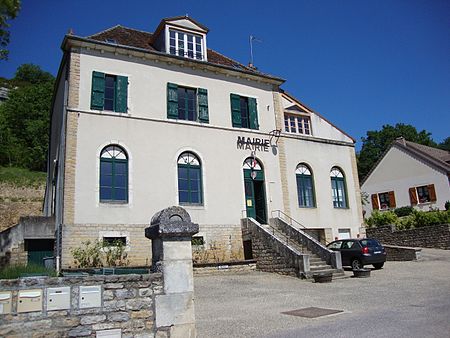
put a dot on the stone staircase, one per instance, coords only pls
(280, 248)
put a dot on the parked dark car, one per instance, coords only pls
(359, 252)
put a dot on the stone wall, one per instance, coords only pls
(402, 253)
(127, 305)
(437, 236)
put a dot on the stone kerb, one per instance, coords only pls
(171, 233)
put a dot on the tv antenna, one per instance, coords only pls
(252, 38)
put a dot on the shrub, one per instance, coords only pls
(423, 219)
(115, 254)
(88, 255)
(382, 218)
(405, 223)
(404, 211)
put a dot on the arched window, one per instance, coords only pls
(338, 189)
(189, 179)
(305, 186)
(113, 175)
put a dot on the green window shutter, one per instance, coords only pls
(236, 110)
(121, 94)
(172, 101)
(202, 97)
(98, 90)
(252, 113)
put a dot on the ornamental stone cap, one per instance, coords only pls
(171, 222)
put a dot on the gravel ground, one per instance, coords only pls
(404, 299)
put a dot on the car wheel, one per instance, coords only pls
(378, 265)
(357, 264)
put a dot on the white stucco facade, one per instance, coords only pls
(400, 170)
(153, 143)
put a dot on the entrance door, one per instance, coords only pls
(255, 196)
(38, 249)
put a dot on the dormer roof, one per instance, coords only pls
(182, 22)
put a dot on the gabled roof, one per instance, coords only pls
(178, 18)
(435, 157)
(128, 37)
(307, 109)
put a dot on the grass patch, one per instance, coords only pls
(16, 271)
(22, 177)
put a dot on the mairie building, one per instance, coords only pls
(141, 121)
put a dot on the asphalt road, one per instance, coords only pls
(404, 299)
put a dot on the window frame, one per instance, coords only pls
(297, 124)
(335, 182)
(113, 160)
(118, 98)
(190, 168)
(174, 49)
(423, 190)
(249, 114)
(302, 178)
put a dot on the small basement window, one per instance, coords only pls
(114, 241)
(197, 240)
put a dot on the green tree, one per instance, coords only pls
(377, 141)
(8, 10)
(24, 122)
(31, 74)
(445, 144)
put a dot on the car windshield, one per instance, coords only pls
(370, 242)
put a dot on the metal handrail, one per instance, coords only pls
(274, 230)
(292, 220)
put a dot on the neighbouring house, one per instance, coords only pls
(408, 174)
(141, 121)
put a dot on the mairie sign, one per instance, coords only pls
(253, 143)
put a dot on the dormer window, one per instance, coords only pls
(186, 44)
(298, 124)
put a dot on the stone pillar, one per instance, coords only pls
(171, 232)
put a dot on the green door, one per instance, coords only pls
(255, 197)
(37, 257)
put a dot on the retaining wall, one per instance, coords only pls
(437, 236)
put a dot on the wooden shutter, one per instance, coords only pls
(253, 113)
(432, 193)
(202, 97)
(375, 205)
(172, 101)
(413, 196)
(392, 203)
(121, 94)
(236, 110)
(98, 90)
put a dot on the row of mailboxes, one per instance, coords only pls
(57, 299)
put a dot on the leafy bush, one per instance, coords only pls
(423, 219)
(16, 271)
(405, 223)
(98, 253)
(88, 255)
(382, 218)
(404, 211)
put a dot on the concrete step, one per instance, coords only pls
(316, 268)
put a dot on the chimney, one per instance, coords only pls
(401, 140)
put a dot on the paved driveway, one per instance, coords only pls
(404, 299)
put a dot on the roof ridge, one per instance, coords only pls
(137, 30)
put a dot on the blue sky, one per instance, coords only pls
(361, 64)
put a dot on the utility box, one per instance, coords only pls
(5, 302)
(29, 300)
(58, 298)
(90, 296)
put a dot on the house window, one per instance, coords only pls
(189, 179)
(185, 45)
(297, 124)
(113, 175)
(244, 113)
(422, 194)
(383, 201)
(114, 241)
(188, 104)
(305, 186)
(338, 188)
(109, 92)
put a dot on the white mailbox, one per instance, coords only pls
(29, 300)
(5, 302)
(90, 296)
(58, 298)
